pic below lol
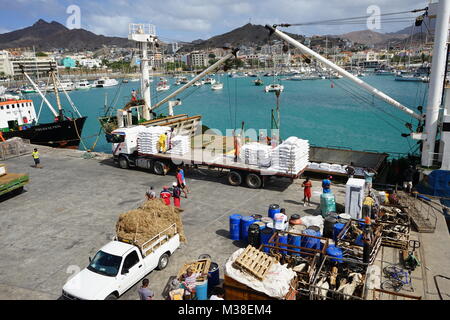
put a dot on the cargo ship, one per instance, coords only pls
(18, 119)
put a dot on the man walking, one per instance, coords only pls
(36, 158)
(408, 176)
(176, 194)
(368, 177)
(144, 292)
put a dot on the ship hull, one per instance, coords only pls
(63, 134)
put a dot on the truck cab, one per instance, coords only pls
(124, 144)
(117, 267)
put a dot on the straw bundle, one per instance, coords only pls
(142, 224)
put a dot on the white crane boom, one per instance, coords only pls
(345, 73)
(42, 96)
(198, 77)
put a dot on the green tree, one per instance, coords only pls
(212, 56)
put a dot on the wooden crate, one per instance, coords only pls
(255, 262)
(200, 266)
(235, 290)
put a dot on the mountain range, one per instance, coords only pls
(53, 35)
(50, 35)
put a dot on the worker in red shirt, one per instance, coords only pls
(165, 195)
(176, 193)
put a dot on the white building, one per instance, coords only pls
(5, 64)
(198, 59)
(33, 66)
(90, 63)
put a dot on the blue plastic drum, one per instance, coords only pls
(266, 234)
(295, 240)
(201, 289)
(245, 223)
(274, 208)
(311, 243)
(283, 238)
(214, 276)
(235, 226)
(335, 253)
(337, 229)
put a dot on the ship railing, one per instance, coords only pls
(14, 148)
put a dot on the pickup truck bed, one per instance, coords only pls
(12, 181)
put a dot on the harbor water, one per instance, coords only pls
(325, 112)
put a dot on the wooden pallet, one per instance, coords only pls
(200, 266)
(255, 262)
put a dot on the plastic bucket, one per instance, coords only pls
(235, 223)
(335, 252)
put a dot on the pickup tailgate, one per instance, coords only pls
(12, 181)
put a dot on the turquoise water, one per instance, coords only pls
(311, 110)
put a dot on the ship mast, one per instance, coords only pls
(437, 77)
(145, 34)
(58, 99)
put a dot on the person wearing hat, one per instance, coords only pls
(176, 193)
(326, 184)
(165, 195)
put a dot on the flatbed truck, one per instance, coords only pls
(11, 182)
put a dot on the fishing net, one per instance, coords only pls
(154, 216)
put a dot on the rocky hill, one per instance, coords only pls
(45, 36)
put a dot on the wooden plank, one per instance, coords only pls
(255, 262)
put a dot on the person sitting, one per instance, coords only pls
(217, 293)
(189, 281)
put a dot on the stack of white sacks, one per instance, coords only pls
(291, 156)
(180, 145)
(256, 154)
(333, 167)
(148, 139)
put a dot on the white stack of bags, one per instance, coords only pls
(180, 145)
(256, 154)
(333, 167)
(291, 156)
(148, 139)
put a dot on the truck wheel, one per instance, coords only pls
(123, 163)
(253, 181)
(234, 178)
(112, 296)
(163, 261)
(160, 168)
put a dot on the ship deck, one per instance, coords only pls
(70, 208)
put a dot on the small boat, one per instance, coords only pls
(297, 77)
(125, 81)
(382, 72)
(184, 80)
(410, 77)
(105, 82)
(67, 85)
(274, 87)
(217, 86)
(27, 90)
(135, 80)
(198, 83)
(83, 85)
(209, 80)
(162, 86)
(258, 82)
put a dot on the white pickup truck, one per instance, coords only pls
(119, 265)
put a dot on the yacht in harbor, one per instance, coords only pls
(163, 85)
(274, 87)
(82, 85)
(105, 82)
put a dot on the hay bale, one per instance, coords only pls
(145, 222)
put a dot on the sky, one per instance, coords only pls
(187, 20)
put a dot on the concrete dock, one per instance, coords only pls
(69, 210)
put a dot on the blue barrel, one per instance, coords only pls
(261, 225)
(359, 240)
(283, 238)
(245, 223)
(337, 229)
(311, 243)
(295, 240)
(214, 276)
(335, 252)
(274, 208)
(266, 234)
(201, 290)
(235, 223)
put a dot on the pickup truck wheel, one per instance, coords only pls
(163, 261)
(234, 178)
(112, 296)
(123, 162)
(253, 181)
(160, 168)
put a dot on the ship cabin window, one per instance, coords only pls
(7, 107)
(1, 107)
